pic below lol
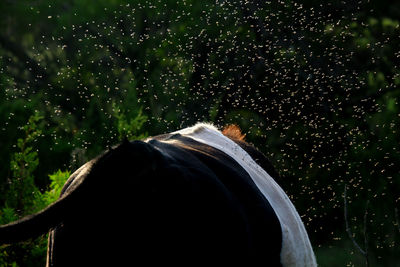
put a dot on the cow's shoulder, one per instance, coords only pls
(256, 221)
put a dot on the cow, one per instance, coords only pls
(197, 196)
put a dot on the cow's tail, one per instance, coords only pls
(81, 182)
(30, 226)
(41, 222)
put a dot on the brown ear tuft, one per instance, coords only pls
(233, 131)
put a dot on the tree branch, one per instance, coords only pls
(348, 230)
(396, 216)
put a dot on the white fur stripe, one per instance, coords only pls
(296, 247)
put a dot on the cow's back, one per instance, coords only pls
(160, 203)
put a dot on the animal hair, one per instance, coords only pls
(233, 132)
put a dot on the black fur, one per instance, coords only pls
(156, 203)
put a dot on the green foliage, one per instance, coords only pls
(57, 181)
(4, 260)
(23, 163)
(7, 215)
(33, 252)
(130, 128)
(22, 196)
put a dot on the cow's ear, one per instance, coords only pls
(233, 132)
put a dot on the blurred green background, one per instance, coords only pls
(313, 84)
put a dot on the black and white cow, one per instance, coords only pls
(193, 197)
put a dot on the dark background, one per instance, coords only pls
(313, 84)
